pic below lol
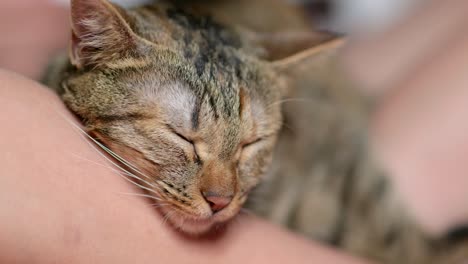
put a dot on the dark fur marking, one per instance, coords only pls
(379, 189)
(198, 161)
(213, 107)
(201, 61)
(211, 48)
(195, 115)
(345, 201)
(237, 63)
(150, 148)
(119, 118)
(391, 236)
(200, 64)
(458, 234)
(206, 24)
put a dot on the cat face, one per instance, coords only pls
(186, 105)
(197, 158)
(195, 122)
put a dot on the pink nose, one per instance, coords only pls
(216, 202)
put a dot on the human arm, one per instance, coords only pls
(60, 203)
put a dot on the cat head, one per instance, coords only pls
(189, 107)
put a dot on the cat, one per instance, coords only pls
(201, 112)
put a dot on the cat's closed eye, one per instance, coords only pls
(252, 142)
(180, 135)
(258, 140)
(186, 139)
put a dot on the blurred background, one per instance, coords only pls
(29, 26)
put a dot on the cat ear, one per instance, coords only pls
(304, 57)
(310, 56)
(284, 50)
(100, 33)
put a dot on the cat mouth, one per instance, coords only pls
(194, 225)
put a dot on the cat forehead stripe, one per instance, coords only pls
(122, 117)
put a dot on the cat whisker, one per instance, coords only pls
(142, 195)
(287, 100)
(236, 220)
(123, 173)
(103, 147)
(119, 158)
(139, 185)
(257, 202)
(116, 156)
(181, 224)
(246, 211)
(257, 199)
(166, 217)
(102, 165)
(285, 125)
(159, 205)
(261, 190)
(127, 173)
(85, 135)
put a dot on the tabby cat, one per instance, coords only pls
(202, 111)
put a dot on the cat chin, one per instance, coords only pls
(186, 224)
(195, 226)
(189, 225)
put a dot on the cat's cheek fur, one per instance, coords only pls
(131, 156)
(253, 167)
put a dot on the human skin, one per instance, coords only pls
(61, 203)
(31, 31)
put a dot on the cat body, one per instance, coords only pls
(196, 111)
(324, 182)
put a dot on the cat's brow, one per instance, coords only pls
(123, 117)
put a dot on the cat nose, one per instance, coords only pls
(217, 202)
